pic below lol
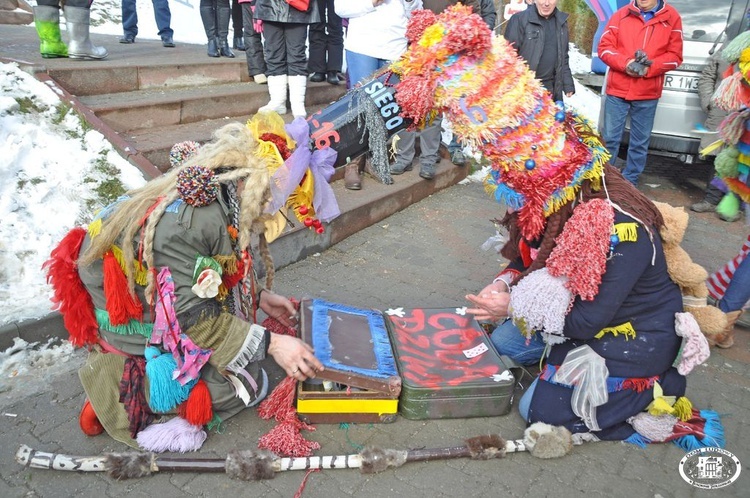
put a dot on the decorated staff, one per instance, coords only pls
(540, 440)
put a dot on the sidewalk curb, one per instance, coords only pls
(35, 330)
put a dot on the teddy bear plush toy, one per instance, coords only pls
(689, 276)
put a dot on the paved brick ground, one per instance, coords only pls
(427, 255)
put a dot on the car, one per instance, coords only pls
(679, 117)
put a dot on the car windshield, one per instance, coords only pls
(704, 21)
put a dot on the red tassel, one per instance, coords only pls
(230, 281)
(121, 305)
(70, 296)
(638, 384)
(198, 409)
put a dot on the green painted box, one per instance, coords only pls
(447, 364)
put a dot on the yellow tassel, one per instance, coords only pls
(661, 404)
(743, 159)
(95, 228)
(625, 329)
(627, 232)
(228, 263)
(683, 408)
(140, 273)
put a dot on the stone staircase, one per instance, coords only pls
(145, 98)
(15, 12)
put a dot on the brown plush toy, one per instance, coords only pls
(689, 276)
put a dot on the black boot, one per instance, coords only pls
(239, 43)
(222, 26)
(208, 16)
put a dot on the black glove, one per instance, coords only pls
(639, 65)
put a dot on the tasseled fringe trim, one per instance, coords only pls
(627, 232)
(639, 384)
(70, 295)
(121, 304)
(228, 264)
(625, 329)
(637, 440)
(215, 424)
(728, 94)
(249, 350)
(738, 187)
(713, 434)
(140, 274)
(132, 327)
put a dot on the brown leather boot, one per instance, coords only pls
(726, 338)
(352, 173)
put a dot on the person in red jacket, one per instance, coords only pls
(642, 41)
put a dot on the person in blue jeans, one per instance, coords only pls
(640, 44)
(162, 15)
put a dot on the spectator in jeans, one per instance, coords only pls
(256, 63)
(654, 28)
(162, 15)
(326, 44)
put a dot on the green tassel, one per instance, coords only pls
(729, 206)
(133, 327)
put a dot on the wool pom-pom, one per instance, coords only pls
(165, 393)
(729, 206)
(582, 248)
(540, 302)
(419, 21)
(121, 305)
(181, 152)
(656, 428)
(176, 435)
(198, 409)
(732, 127)
(728, 95)
(726, 163)
(70, 296)
(731, 53)
(197, 186)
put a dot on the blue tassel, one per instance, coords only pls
(637, 440)
(713, 430)
(165, 393)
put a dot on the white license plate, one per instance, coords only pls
(681, 83)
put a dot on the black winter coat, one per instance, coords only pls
(526, 33)
(281, 11)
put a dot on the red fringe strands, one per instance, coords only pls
(121, 304)
(70, 296)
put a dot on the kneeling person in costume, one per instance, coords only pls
(588, 280)
(162, 289)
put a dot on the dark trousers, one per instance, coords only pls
(284, 48)
(256, 64)
(326, 40)
(237, 19)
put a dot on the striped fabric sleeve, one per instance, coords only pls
(718, 282)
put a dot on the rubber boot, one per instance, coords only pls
(277, 91)
(297, 90)
(77, 20)
(47, 21)
(208, 16)
(222, 19)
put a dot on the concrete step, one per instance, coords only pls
(155, 108)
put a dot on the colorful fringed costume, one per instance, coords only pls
(162, 286)
(587, 272)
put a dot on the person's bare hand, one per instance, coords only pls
(491, 303)
(294, 356)
(569, 94)
(278, 307)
